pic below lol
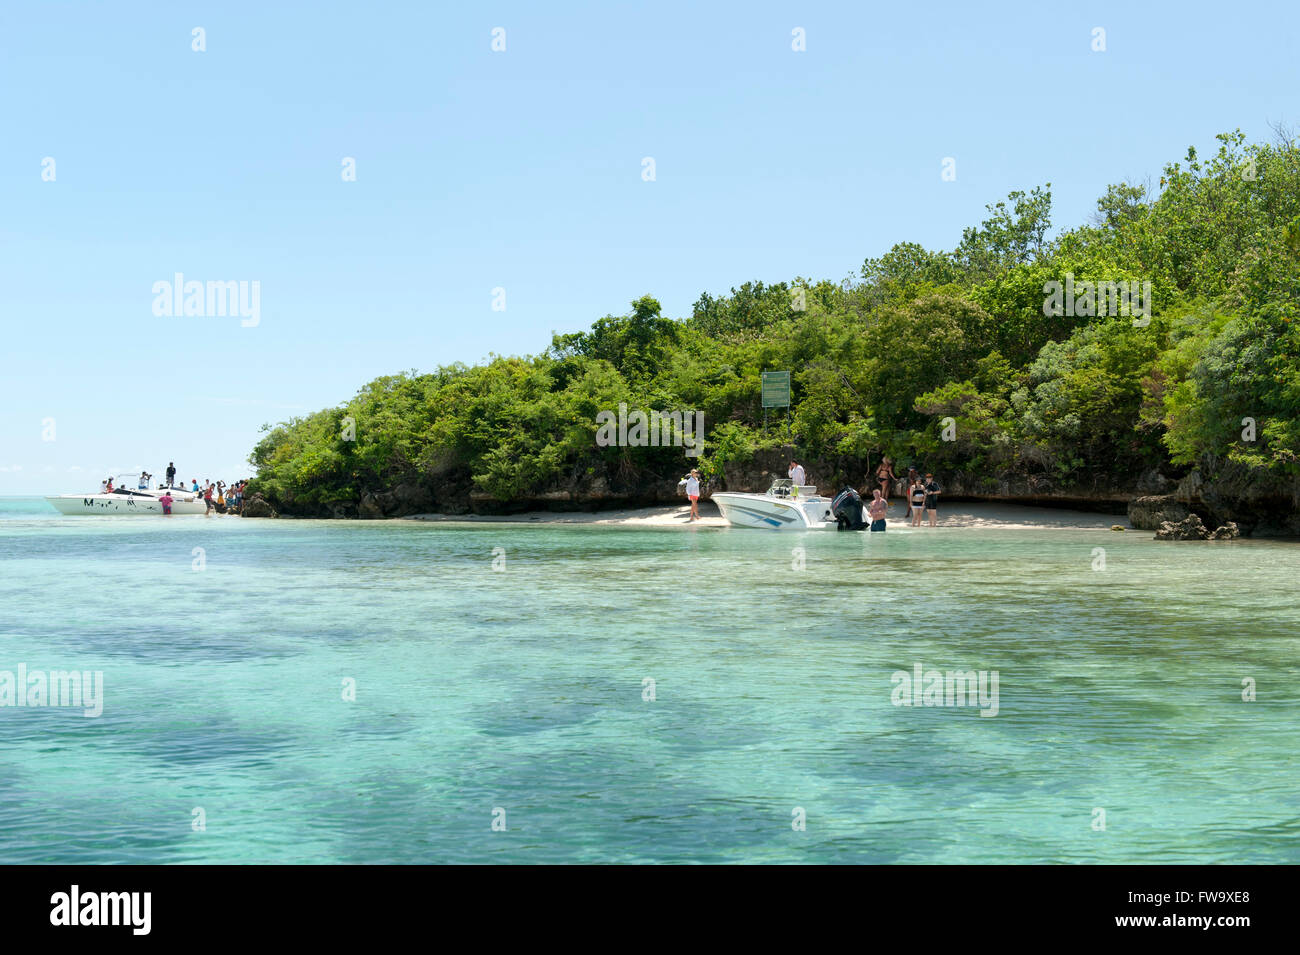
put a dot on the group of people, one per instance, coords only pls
(921, 496)
(220, 497)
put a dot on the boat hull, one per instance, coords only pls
(764, 512)
(78, 505)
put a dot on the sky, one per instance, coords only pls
(128, 156)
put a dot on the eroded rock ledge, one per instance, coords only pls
(1190, 528)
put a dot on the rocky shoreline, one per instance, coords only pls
(1216, 493)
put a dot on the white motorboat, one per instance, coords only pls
(129, 500)
(785, 506)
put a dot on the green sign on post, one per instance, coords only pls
(776, 389)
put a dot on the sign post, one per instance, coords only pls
(776, 392)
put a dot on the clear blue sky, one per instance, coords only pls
(520, 169)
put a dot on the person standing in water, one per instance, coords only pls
(876, 510)
(165, 499)
(693, 492)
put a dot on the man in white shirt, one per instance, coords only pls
(797, 475)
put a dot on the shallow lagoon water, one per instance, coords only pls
(522, 690)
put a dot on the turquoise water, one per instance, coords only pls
(522, 690)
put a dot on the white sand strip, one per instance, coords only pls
(961, 515)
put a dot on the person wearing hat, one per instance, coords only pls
(693, 492)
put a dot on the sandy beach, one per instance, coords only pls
(959, 515)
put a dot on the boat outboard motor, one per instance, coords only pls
(847, 508)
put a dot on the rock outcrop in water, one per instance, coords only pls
(258, 506)
(1150, 512)
(1223, 492)
(1190, 528)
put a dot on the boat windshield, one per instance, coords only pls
(781, 487)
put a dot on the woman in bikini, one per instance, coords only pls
(916, 501)
(885, 477)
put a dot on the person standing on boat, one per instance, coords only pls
(797, 475)
(144, 481)
(171, 473)
(876, 510)
(931, 498)
(195, 489)
(693, 492)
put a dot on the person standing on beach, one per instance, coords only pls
(876, 510)
(207, 499)
(797, 476)
(693, 492)
(931, 498)
(912, 478)
(885, 475)
(916, 500)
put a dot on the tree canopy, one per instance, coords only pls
(879, 361)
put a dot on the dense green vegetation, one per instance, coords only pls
(878, 361)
